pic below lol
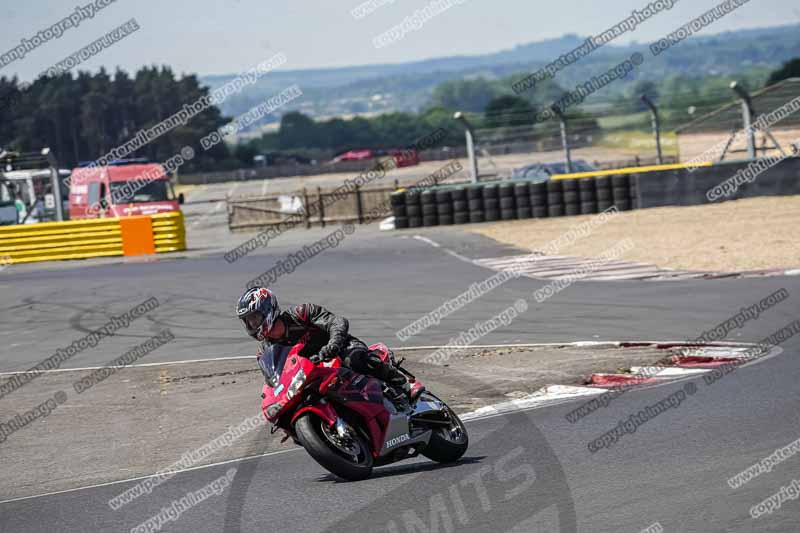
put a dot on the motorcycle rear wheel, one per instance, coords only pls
(354, 465)
(448, 444)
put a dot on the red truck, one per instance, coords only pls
(122, 188)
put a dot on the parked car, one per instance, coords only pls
(354, 155)
(539, 172)
(403, 158)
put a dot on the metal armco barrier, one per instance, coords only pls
(82, 239)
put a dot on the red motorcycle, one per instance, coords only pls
(349, 422)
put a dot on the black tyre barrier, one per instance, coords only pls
(634, 192)
(505, 190)
(397, 198)
(620, 180)
(539, 200)
(602, 205)
(620, 193)
(570, 197)
(444, 209)
(507, 202)
(623, 205)
(461, 217)
(604, 195)
(460, 206)
(602, 182)
(444, 197)
(569, 185)
(474, 193)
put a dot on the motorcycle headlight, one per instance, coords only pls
(296, 384)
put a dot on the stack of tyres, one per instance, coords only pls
(491, 203)
(633, 184)
(429, 208)
(475, 204)
(413, 209)
(555, 198)
(522, 197)
(508, 202)
(572, 204)
(621, 192)
(444, 207)
(460, 205)
(605, 197)
(588, 198)
(539, 199)
(398, 202)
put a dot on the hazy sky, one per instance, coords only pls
(229, 36)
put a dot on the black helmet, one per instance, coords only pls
(257, 309)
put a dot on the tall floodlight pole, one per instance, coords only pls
(473, 163)
(562, 118)
(747, 118)
(656, 126)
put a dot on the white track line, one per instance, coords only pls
(252, 357)
(175, 472)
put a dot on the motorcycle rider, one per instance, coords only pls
(325, 336)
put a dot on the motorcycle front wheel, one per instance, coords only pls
(346, 455)
(448, 443)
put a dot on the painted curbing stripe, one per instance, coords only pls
(605, 380)
(670, 371)
(547, 395)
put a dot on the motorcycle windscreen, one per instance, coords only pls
(272, 360)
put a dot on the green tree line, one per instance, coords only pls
(82, 117)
